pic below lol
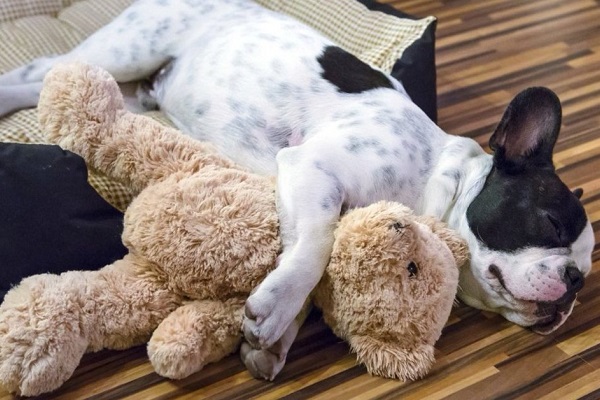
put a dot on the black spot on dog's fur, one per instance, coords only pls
(348, 73)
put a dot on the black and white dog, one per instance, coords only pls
(281, 99)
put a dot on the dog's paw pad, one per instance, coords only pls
(261, 363)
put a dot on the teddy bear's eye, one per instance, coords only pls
(398, 226)
(412, 268)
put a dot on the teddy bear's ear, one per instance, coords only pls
(392, 360)
(456, 244)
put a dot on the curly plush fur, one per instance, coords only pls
(201, 234)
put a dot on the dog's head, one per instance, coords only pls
(530, 239)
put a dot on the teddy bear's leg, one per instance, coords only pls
(40, 339)
(131, 299)
(49, 321)
(267, 363)
(194, 335)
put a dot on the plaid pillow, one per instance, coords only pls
(13, 9)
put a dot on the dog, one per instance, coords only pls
(280, 99)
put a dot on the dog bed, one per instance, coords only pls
(376, 33)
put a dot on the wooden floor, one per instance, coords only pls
(487, 51)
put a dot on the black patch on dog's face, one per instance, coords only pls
(348, 73)
(523, 202)
(530, 209)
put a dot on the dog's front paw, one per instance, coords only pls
(262, 363)
(269, 312)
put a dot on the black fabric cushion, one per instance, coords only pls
(51, 219)
(416, 67)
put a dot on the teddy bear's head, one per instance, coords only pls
(390, 286)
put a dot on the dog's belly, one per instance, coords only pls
(250, 91)
(243, 87)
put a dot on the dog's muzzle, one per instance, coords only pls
(552, 314)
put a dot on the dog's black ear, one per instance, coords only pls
(578, 192)
(527, 132)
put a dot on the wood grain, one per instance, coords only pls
(487, 51)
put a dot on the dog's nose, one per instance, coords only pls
(574, 279)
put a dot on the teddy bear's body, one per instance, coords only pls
(201, 234)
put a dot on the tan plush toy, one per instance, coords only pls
(201, 234)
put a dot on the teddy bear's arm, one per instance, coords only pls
(82, 109)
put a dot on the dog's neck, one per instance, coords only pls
(460, 173)
(476, 170)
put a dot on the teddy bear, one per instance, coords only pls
(201, 234)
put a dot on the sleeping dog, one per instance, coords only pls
(279, 98)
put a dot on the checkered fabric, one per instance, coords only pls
(13, 9)
(376, 38)
(34, 28)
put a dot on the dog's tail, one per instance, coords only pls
(82, 109)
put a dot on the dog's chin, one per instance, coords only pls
(546, 328)
(554, 316)
(541, 317)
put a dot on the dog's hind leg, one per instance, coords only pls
(131, 47)
(29, 73)
(141, 39)
(18, 97)
(20, 88)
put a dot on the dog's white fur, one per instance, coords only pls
(248, 80)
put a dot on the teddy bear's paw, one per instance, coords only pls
(35, 374)
(195, 334)
(74, 93)
(38, 351)
(261, 363)
(176, 347)
(173, 359)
